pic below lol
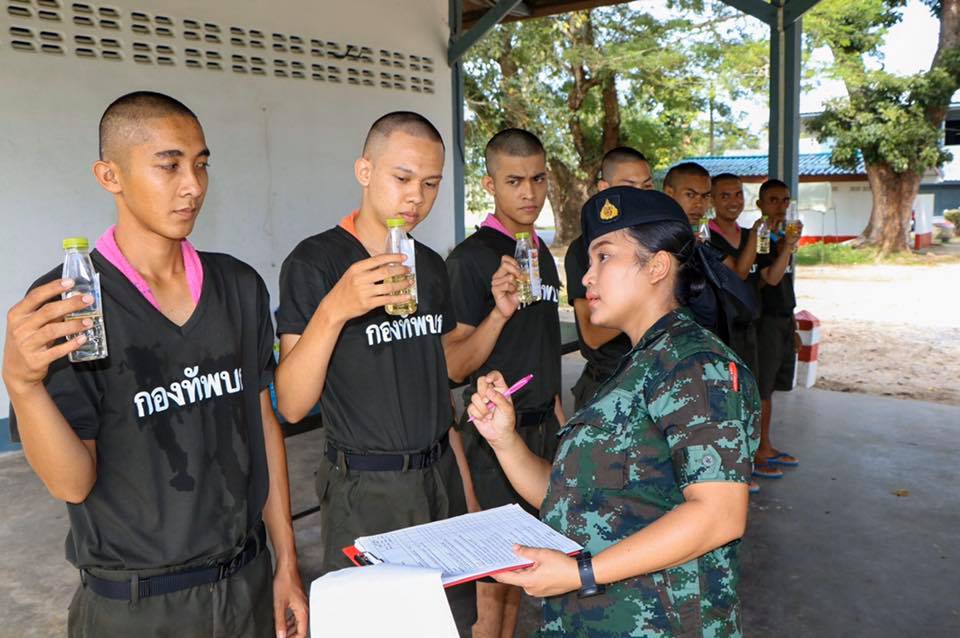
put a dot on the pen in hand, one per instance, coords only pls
(511, 390)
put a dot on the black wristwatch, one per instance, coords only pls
(588, 583)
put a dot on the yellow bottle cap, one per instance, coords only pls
(79, 243)
(395, 222)
(523, 235)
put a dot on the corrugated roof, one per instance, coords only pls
(811, 165)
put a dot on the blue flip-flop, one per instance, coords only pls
(767, 471)
(777, 459)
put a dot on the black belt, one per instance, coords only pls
(135, 587)
(375, 462)
(532, 419)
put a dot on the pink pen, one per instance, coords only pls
(511, 390)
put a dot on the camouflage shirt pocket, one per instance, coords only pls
(594, 459)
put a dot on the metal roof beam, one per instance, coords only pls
(793, 10)
(490, 19)
(757, 8)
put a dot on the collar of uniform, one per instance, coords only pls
(349, 224)
(193, 268)
(661, 325)
(492, 222)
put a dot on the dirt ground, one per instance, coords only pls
(887, 330)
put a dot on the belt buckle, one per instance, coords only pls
(433, 455)
(230, 568)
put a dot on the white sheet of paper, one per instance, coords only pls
(466, 546)
(380, 600)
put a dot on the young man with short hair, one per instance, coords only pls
(167, 452)
(739, 249)
(381, 380)
(688, 183)
(601, 347)
(516, 339)
(776, 328)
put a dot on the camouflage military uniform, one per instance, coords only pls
(669, 417)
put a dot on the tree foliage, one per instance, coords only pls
(892, 122)
(591, 80)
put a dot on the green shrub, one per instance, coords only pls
(953, 216)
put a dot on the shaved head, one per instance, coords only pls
(616, 157)
(408, 122)
(685, 169)
(512, 142)
(126, 121)
(725, 177)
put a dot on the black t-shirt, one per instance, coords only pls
(779, 300)
(386, 388)
(175, 413)
(530, 341)
(742, 315)
(606, 358)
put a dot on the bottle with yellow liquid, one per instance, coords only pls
(398, 242)
(763, 236)
(794, 225)
(528, 284)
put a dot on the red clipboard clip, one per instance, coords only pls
(356, 556)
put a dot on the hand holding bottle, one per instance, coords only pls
(503, 286)
(33, 327)
(368, 284)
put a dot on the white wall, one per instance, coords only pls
(283, 148)
(853, 202)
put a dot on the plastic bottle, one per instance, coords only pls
(78, 267)
(763, 236)
(398, 242)
(702, 230)
(528, 285)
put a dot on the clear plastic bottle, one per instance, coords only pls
(527, 256)
(702, 230)
(794, 225)
(763, 236)
(398, 242)
(78, 266)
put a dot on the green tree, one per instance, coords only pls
(893, 122)
(588, 81)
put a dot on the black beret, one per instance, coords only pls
(625, 206)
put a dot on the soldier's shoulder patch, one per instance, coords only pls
(704, 461)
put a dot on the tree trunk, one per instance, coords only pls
(567, 192)
(893, 197)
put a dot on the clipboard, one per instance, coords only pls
(463, 548)
(360, 559)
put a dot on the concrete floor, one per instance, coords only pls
(830, 551)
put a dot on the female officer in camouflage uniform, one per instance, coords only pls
(651, 476)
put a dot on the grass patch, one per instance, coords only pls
(834, 255)
(843, 255)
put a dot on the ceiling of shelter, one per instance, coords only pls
(473, 10)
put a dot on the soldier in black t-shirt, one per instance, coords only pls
(601, 347)
(776, 328)
(739, 248)
(167, 452)
(381, 380)
(688, 183)
(516, 340)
